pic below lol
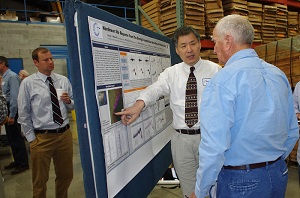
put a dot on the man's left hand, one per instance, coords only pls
(65, 98)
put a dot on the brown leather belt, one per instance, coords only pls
(188, 131)
(251, 166)
(59, 130)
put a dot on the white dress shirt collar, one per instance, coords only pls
(44, 77)
(197, 66)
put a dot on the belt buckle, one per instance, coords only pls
(60, 130)
(190, 131)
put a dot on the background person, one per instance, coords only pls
(47, 132)
(10, 88)
(298, 160)
(23, 74)
(3, 120)
(173, 80)
(296, 95)
(248, 123)
(3, 109)
(3, 137)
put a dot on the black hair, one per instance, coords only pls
(183, 31)
(4, 60)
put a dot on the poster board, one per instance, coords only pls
(117, 161)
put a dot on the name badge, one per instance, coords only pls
(205, 81)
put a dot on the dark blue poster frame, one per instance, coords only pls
(91, 145)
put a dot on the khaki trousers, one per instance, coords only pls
(185, 154)
(42, 150)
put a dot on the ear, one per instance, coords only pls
(176, 50)
(228, 40)
(35, 62)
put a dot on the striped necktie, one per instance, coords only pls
(191, 107)
(57, 118)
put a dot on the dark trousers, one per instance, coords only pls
(17, 143)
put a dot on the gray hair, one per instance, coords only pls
(24, 72)
(238, 27)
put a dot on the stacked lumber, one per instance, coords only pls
(168, 20)
(235, 7)
(293, 24)
(194, 15)
(209, 55)
(255, 17)
(153, 12)
(281, 21)
(268, 23)
(285, 54)
(213, 13)
(295, 59)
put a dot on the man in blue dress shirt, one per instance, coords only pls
(10, 88)
(248, 124)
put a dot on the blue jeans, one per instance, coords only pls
(266, 182)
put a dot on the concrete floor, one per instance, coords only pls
(20, 186)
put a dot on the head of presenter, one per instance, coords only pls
(248, 124)
(187, 44)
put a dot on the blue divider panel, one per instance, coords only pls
(91, 144)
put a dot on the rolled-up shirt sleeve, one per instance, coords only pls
(157, 89)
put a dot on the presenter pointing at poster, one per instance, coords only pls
(184, 82)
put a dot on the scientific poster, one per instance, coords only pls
(125, 63)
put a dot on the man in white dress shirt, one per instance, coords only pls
(172, 81)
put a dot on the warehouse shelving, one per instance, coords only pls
(207, 43)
